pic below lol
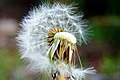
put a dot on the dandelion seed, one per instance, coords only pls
(48, 41)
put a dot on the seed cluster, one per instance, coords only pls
(65, 50)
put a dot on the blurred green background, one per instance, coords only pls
(102, 51)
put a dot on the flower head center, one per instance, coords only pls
(63, 45)
(65, 35)
(53, 31)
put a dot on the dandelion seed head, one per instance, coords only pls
(45, 36)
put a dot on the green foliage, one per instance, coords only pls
(9, 60)
(106, 28)
(111, 65)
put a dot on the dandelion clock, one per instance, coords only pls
(48, 39)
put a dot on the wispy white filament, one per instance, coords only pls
(32, 38)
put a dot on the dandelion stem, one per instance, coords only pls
(61, 78)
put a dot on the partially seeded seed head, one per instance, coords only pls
(48, 38)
